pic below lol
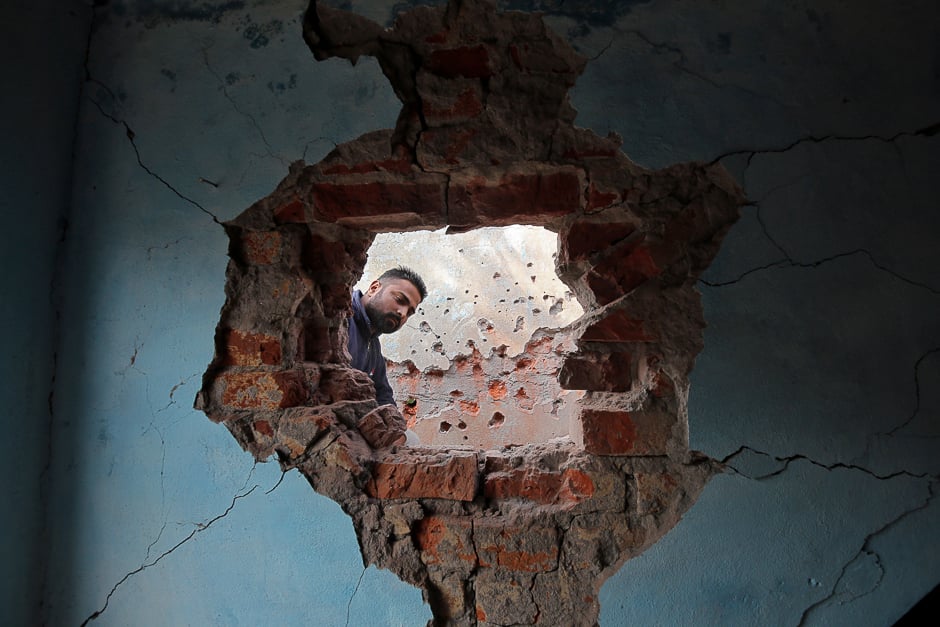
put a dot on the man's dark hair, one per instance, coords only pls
(401, 272)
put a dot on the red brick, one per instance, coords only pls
(445, 476)
(466, 61)
(565, 488)
(290, 212)
(242, 348)
(541, 193)
(617, 327)
(263, 427)
(263, 390)
(585, 238)
(618, 275)
(605, 432)
(599, 200)
(388, 202)
(600, 372)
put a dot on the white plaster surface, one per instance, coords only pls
(493, 286)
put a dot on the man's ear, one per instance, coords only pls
(373, 287)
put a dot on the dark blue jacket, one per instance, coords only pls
(366, 351)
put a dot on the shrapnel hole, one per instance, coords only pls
(479, 325)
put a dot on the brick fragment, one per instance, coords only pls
(466, 61)
(585, 237)
(565, 488)
(389, 202)
(604, 432)
(263, 389)
(526, 195)
(244, 348)
(290, 212)
(601, 372)
(620, 274)
(451, 476)
(618, 326)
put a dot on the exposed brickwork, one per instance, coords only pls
(443, 476)
(625, 433)
(547, 487)
(243, 348)
(525, 534)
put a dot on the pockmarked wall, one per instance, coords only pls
(817, 386)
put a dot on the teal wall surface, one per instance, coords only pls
(134, 128)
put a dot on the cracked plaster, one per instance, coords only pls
(517, 535)
(885, 102)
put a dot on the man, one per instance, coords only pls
(383, 308)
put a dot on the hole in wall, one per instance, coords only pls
(483, 343)
(486, 138)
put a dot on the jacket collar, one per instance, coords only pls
(360, 316)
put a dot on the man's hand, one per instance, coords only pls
(383, 427)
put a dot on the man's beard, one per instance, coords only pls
(382, 323)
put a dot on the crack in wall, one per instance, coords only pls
(131, 138)
(199, 528)
(867, 549)
(788, 261)
(89, 78)
(926, 131)
(786, 460)
(680, 64)
(933, 351)
(251, 119)
(791, 263)
(353, 595)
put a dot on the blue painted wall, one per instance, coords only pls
(819, 382)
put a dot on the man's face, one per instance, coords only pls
(389, 303)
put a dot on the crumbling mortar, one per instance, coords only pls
(866, 549)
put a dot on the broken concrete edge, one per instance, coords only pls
(485, 138)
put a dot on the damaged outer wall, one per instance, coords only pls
(749, 550)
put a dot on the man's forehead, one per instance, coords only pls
(405, 286)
